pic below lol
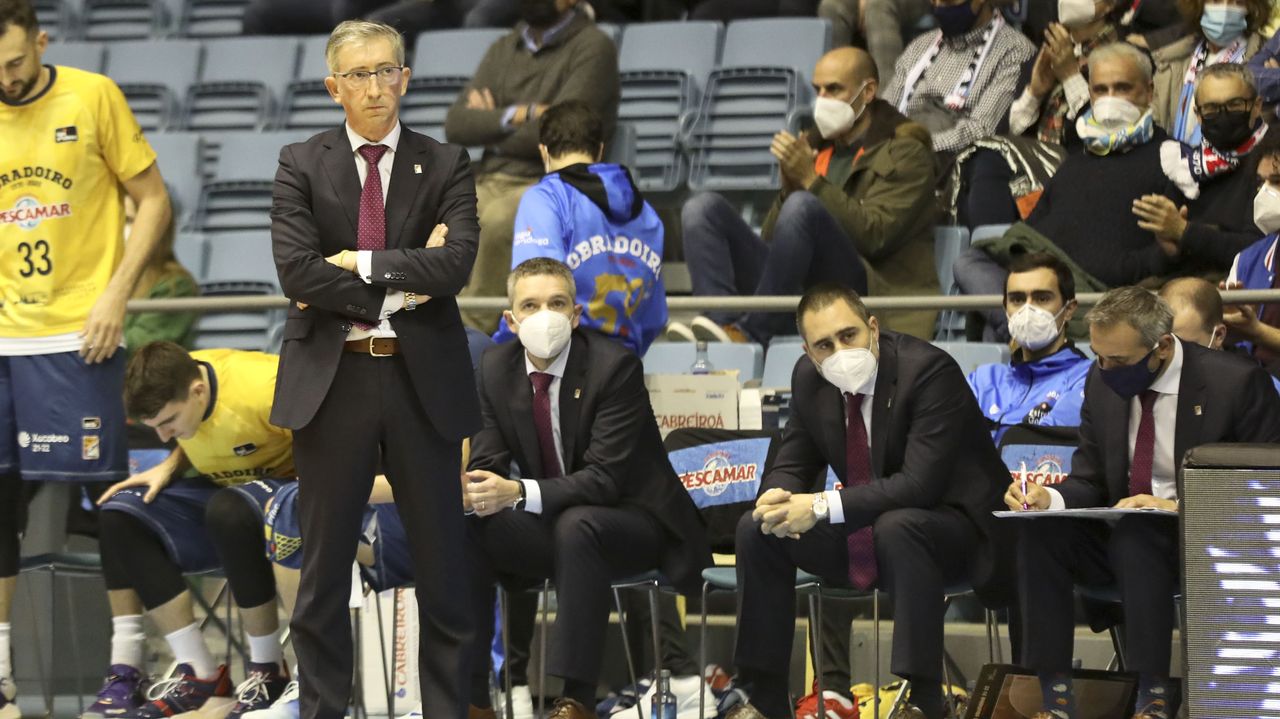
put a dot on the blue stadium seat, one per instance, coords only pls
(192, 252)
(212, 18)
(154, 75)
(948, 242)
(58, 18)
(757, 90)
(238, 195)
(242, 83)
(443, 63)
(124, 19)
(969, 355)
(677, 357)
(664, 67)
(780, 362)
(178, 156)
(84, 55)
(986, 232)
(307, 104)
(240, 263)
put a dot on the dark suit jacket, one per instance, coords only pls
(1221, 398)
(929, 447)
(314, 214)
(611, 441)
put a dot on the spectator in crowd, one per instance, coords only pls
(555, 54)
(300, 17)
(730, 10)
(1145, 23)
(72, 150)
(1099, 188)
(1219, 32)
(958, 80)
(1132, 439)
(1265, 65)
(596, 499)
(1044, 384)
(591, 216)
(1197, 311)
(884, 24)
(160, 523)
(1258, 326)
(856, 206)
(893, 416)
(163, 278)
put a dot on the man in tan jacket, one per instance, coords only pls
(856, 207)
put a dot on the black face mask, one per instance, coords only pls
(1227, 130)
(539, 13)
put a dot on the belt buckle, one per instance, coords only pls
(372, 342)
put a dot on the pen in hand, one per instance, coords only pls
(1024, 491)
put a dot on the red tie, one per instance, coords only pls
(1144, 446)
(542, 422)
(371, 228)
(857, 458)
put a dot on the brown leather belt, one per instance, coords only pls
(374, 346)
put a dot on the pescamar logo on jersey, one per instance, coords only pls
(721, 473)
(245, 450)
(27, 213)
(66, 134)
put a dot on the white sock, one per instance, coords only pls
(127, 640)
(6, 666)
(266, 649)
(188, 647)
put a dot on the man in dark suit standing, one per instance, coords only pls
(596, 499)
(895, 418)
(374, 367)
(1150, 398)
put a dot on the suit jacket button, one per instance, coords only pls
(386, 276)
(345, 327)
(352, 308)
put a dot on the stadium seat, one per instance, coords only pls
(154, 75)
(192, 251)
(124, 19)
(242, 84)
(240, 263)
(969, 355)
(780, 362)
(663, 67)
(58, 18)
(178, 156)
(443, 63)
(622, 148)
(212, 18)
(613, 30)
(238, 195)
(987, 232)
(307, 104)
(948, 242)
(84, 55)
(677, 357)
(759, 86)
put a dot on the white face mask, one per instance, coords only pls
(1034, 328)
(849, 369)
(545, 333)
(834, 117)
(1266, 209)
(1115, 112)
(1076, 13)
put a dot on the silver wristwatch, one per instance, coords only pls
(820, 509)
(410, 301)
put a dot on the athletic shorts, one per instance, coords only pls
(176, 515)
(381, 530)
(63, 420)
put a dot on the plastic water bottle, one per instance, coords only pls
(701, 365)
(664, 702)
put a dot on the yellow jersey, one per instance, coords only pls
(63, 158)
(236, 442)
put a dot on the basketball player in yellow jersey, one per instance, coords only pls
(71, 150)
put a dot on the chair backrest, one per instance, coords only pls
(178, 156)
(192, 252)
(84, 55)
(307, 104)
(986, 232)
(948, 242)
(452, 53)
(613, 31)
(242, 82)
(677, 357)
(780, 362)
(793, 42)
(212, 18)
(124, 19)
(246, 257)
(154, 75)
(721, 469)
(58, 18)
(311, 62)
(969, 355)
(689, 47)
(1040, 454)
(251, 156)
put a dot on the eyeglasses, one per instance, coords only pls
(1213, 109)
(389, 75)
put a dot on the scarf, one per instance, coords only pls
(1189, 166)
(1185, 127)
(1101, 141)
(960, 95)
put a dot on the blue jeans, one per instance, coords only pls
(978, 274)
(725, 257)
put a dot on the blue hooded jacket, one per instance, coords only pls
(593, 219)
(1052, 388)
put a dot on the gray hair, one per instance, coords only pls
(1226, 70)
(361, 31)
(1115, 50)
(1140, 309)
(538, 266)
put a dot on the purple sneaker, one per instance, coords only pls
(182, 693)
(263, 686)
(122, 691)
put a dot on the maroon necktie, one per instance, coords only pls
(371, 228)
(1144, 446)
(857, 459)
(542, 422)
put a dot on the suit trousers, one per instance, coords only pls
(919, 552)
(497, 199)
(1139, 554)
(372, 412)
(581, 550)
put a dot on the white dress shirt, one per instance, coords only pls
(1164, 411)
(532, 493)
(835, 507)
(395, 298)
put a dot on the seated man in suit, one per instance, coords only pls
(893, 415)
(1150, 399)
(595, 499)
